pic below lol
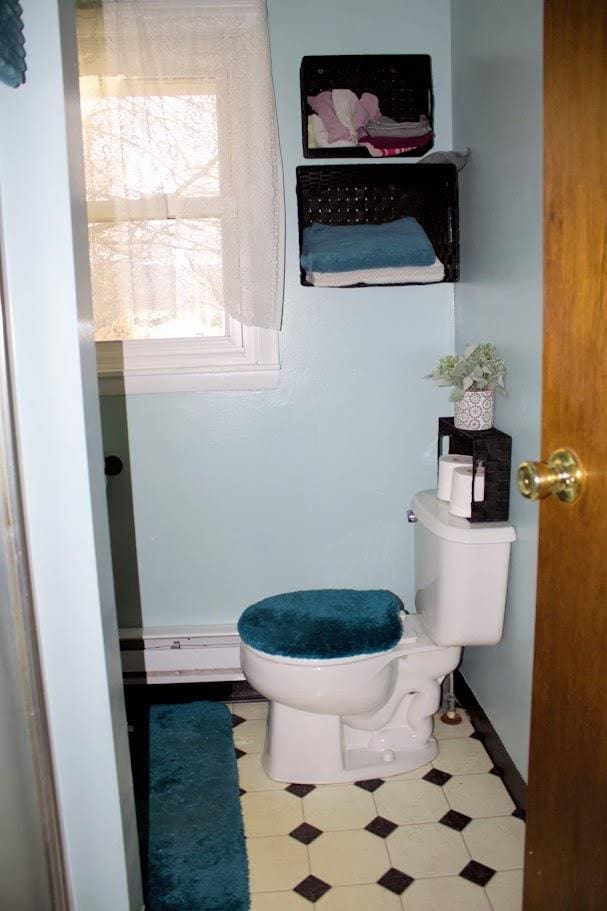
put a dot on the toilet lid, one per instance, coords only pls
(326, 623)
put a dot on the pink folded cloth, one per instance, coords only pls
(343, 113)
(384, 146)
(366, 110)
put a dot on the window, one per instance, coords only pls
(166, 237)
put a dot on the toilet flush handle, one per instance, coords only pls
(411, 517)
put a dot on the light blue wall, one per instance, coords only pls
(43, 239)
(497, 111)
(241, 495)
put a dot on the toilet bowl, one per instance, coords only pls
(370, 714)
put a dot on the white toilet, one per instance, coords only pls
(370, 715)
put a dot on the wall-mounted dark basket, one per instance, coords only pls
(402, 83)
(491, 449)
(374, 194)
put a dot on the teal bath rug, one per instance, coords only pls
(188, 808)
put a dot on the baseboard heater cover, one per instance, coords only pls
(199, 654)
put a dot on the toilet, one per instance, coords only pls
(353, 681)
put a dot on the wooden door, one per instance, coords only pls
(566, 857)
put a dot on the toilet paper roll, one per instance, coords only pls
(446, 466)
(460, 502)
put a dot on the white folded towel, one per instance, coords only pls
(419, 275)
(344, 105)
(318, 137)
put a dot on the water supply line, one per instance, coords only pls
(451, 716)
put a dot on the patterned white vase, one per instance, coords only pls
(475, 410)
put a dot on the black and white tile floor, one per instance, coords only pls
(445, 837)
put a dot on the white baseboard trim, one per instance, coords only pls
(195, 654)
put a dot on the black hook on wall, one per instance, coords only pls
(113, 466)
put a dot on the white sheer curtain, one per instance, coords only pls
(183, 167)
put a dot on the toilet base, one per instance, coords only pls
(310, 748)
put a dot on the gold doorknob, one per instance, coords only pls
(562, 476)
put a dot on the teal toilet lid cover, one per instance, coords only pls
(324, 623)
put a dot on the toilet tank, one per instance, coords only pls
(461, 574)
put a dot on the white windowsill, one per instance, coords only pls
(245, 359)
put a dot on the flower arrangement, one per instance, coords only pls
(479, 369)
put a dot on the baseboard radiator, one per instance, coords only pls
(200, 654)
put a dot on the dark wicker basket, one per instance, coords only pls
(493, 449)
(374, 194)
(402, 82)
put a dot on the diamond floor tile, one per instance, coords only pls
(477, 873)
(437, 776)
(381, 827)
(370, 784)
(305, 833)
(312, 888)
(395, 881)
(300, 790)
(455, 820)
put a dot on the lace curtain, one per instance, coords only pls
(183, 168)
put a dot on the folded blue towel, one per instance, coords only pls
(341, 248)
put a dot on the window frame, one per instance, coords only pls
(244, 358)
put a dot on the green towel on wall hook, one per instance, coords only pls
(12, 44)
